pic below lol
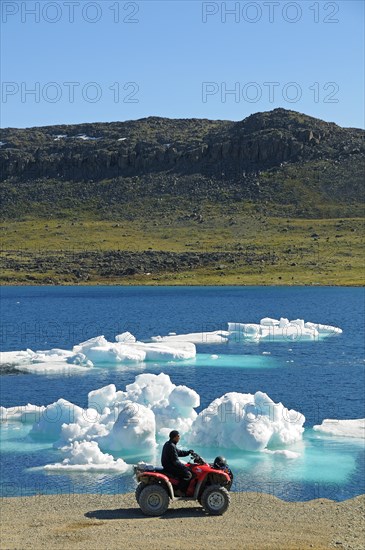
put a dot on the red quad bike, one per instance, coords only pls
(209, 486)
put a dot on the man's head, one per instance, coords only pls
(174, 436)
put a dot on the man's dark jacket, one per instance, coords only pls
(170, 457)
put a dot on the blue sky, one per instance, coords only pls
(82, 61)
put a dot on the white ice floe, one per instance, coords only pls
(247, 422)
(215, 337)
(173, 406)
(137, 419)
(86, 456)
(174, 347)
(97, 351)
(126, 337)
(135, 428)
(27, 414)
(282, 329)
(54, 416)
(127, 349)
(48, 361)
(342, 428)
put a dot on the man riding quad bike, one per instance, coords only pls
(208, 484)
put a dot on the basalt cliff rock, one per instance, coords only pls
(274, 156)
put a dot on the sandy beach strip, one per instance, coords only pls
(253, 521)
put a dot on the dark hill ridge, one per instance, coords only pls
(276, 158)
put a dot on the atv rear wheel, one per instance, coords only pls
(139, 490)
(215, 500)
(153, 500)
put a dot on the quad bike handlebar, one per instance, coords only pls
(197, 458)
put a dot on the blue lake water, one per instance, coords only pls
(322, 379)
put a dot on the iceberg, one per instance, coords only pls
(53, 417)
(247, 422)
(54, 361)
(280, 330)
(215, 337)
(86, 456)
(26, 414)
(173, 406)
(138, 419)
(97, 351)
(126, 350)
(134, 429)
(342, 428)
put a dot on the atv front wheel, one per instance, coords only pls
(153, 500)
(215, 500)
(139, 490)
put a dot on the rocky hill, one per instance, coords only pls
(277, 158)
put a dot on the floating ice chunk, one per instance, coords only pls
(215, 337)
(126, 349)
(103, 397)
(54, 416)
(95, 342)
(247, 422)
(324, 330)
(247, 330)
(83, 430)
(79, 359)
(342, 428)
(27, 414)
(126, 337)
(182, 398)
(51, 355)
(111, 354)
(298, 322)
(179, 414)
(170, 351)
(54, 360)
(135, 428)
(281, 330)
(98, 351)
(173, 406)
(151, 389)
(87, 456)
(50, 367)
(268, 322)
(13, 358)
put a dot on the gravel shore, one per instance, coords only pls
(253, 521)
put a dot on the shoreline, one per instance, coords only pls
(254, 521)
(178, 285)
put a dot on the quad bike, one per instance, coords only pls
(209, 485)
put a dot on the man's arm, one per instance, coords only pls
(182, 453)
